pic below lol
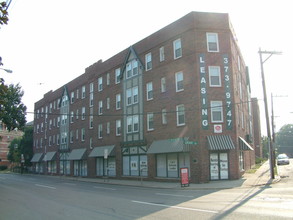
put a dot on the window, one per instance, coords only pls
(72, 97)
(83, 92)
(132, 124)
(76, 134)
(216, 111)
(129, 96)
(77, 113)
(131, 68)
(108, 103)
(100, 84)
(77, 93)
(100, 131)
(215, 76)
(91, 125)
(150, 121)
(134, 67)
(71, 136)
(91, 87)
(58, 139)
(180, 110)
(71, 117)
(82, 134)
(118, 127)
(162, 54)
(117, 76)
(58, 121)
(179, 81)
(135, 94)
(100, 107)
(129, 124)
(149, 88)
(177, 48)
(212, 42)
(83, 113)
(50, 109)
(164, 116)
(148, 61)
(118, 101)
(50, 124)
(108, 127)
(163, 84)
(128, 70)
(91, 99)
(132, 95)
(108, 79)
(135, 123)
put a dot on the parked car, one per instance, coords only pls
(282, 159)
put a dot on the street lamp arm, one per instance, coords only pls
(6, 70)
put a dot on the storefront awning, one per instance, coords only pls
(220, 142)
(37, 158)
(77, 154)
(100, 151)
(244, 145)
(168, 146)
(49, 156)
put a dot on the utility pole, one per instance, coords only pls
(270, 145)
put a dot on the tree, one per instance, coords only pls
(285, 136)
(22, 145)
(12, 110)
(3, 13)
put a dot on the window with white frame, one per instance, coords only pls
(117, 76)
(214, 76)
(212, 42)
(91, 99)
(100, 84)
(100, 107)
(149, 89)
(83, 113)
(180, 111)
(164, 116)
(108, 127)
(77, 93)
(108, 103)
(83, 92)
(132, 95)
(129, 124)
(100, 131)
(177, 48)
(77, 114)
(58, 121)
(118, 101)
(76, 134)
(148, 62)
(162, 54)
(179, 81)
(216, 111)
(132, 124)
(91, 121)
(71, 136)
(50, 124)
(71, 117)
(131, 68)
(82, 134)
(108, 79)
(129, 96)
(118, 127)
(72, 97)
(91, 87)
(163, 84)
(150, 121)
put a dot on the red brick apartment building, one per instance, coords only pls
(178, 98)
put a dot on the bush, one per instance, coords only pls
(3, 167)
(260, 160)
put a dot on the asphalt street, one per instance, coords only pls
(43, 197)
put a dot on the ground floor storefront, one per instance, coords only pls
(162, 160)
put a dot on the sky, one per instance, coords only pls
(48, 43)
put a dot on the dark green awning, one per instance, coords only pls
(244, 145)
(77, 154)
(49, 156)
(220, 142)
(37, 158)
(168, 146)
(100, 151)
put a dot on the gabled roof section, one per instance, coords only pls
(130, 51)
(65, 92)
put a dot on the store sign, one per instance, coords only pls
(172, 165)
(133, 165)
(184, 176)
(218, 129)
(228, 95)
(203, 92)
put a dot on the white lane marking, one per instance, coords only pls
(164, 194)
(49, 187)
(174, 207)
(71, 184)
(98, 187)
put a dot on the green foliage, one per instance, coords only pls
(3, 167)
(265, 145)
(3, 13)
(12, 110)
(285, 136)
(23, 146)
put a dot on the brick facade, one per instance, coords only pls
(186, 56)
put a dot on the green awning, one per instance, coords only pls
(100, 151)
(49, 156)
(220, 142)
(244, 145)
(168, 146)
(37, 158)
(77, 154)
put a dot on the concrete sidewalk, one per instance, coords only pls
(261, 177)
